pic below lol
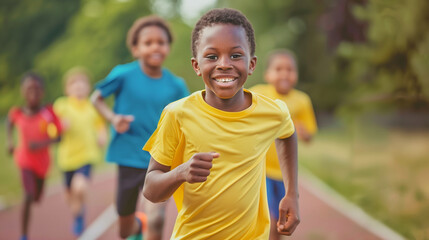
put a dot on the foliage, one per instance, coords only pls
(293, 24)
(28, 27)
(390, 69)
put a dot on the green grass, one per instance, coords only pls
(384, 171)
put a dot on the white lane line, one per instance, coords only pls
(101, 224)
(344, 206)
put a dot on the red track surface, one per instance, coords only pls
(52, 219)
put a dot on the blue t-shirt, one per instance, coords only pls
(143, 97)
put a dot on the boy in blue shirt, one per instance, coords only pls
(142, 89)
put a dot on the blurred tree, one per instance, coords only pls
(294, 24)
(390, 70)
(96, 38)
(27, 27)
(93, 35)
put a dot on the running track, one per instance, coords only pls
(321, 215)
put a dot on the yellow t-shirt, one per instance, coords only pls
(78, 145)
(301, 111)
(232, 203)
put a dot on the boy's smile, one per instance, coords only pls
(152, 47)
(224, 62)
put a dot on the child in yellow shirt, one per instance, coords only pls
(282, 75)
(84, 135)
(209, 148)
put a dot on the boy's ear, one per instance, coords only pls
(195, 66)
(252, 65)
(134, 51)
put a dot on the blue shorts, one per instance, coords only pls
(275, 193)
(68, 176)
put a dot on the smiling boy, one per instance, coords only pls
(209, 148)
(142, 89)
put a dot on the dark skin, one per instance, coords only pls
(223, 61)
(283, 75)
(32, 91)
(151, 49)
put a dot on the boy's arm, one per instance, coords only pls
(303, 133)
(288, 208)
(161, 183)
(41, 144)
(306, 125)
(121, 123)
(9, 136)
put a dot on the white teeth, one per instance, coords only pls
(225, 80)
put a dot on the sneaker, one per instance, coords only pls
(141, 216)
(142, 219)
(136, 237)
(78, 225)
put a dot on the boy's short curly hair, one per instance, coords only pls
(139, 24)
(223, 16)
(33, 76)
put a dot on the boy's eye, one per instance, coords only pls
(234, 56)
(211, 57)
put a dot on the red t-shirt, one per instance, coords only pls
(33, 128)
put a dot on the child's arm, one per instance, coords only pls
(9, 136)
(161, 183)
(288, 207)
(41, 144)
(121, 123)
(303, 133)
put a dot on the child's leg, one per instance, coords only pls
(26, 212)
(78, 189)
(76, 184)
(33, 187)
(155, 213)
(130, 183)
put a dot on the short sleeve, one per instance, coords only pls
(111, 84)
(13, 114)
(287, 128)
(54, 124)
(163, 143)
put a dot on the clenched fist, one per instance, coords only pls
(197, 169)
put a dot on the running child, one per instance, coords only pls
(142, 89)
(37, 127)
(282, 76)
(209, 148)
(84, 135)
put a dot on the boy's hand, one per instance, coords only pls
(197, 169)
(289, 215)
(35, 145)
(121, 123)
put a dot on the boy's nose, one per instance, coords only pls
(224, 63)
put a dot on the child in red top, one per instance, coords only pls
(37, 127)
